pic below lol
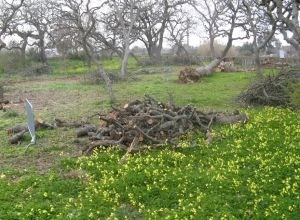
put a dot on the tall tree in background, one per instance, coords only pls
(126, 14)
(261, 26)
(37, 15)
(210, 13)
(229, 18)
(153, 22)
(8, 10)
(80, 18)
(286, 12)
(23, 43)
(178, 30)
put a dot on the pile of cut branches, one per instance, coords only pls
(138, 124)
(271, 90)
(150, 122)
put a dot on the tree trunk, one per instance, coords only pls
(23, 54)
(256, 57)
(155, 54)
(43, 51)
(125, 62)
(2, 45)
(257, 64)
(212, 48)
(209, 69)
(87, 53)
(125, 55)
(102, 72)
(107, 82)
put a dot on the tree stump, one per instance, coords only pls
(189, 74)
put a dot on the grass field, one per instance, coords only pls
(250, 171)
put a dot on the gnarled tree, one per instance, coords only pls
(153, 21)
(8, 10)
(37, 15)
(227, 18)
(80, 18)
(125, 14)
(287, 14)
(262, 27)
(178, 30)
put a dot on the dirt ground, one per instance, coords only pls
(51, 102)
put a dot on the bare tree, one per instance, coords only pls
(80, 18)
(8, 10)
(37, 15)
(261, 26)
(210, 14)
(287, 14)
(228, 18)
(179, 30)
(126, 14)
(153, 21)
(22, 44)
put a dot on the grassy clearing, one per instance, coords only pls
(250, 171)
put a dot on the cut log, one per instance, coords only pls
(84, 131)
(15, 139)
(17, 129)
(74, 124)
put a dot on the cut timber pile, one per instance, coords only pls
(226, 67)
(150, 122)
(188, 75)
(270, 90)
(138, 124)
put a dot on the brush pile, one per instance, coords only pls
(138, 124)
(270, 90)
(150, 122)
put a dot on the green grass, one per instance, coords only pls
(218, 91)
(250, 171)
(79, 67)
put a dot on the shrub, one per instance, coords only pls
(76, 56)
(11, 61)
(182, 60)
